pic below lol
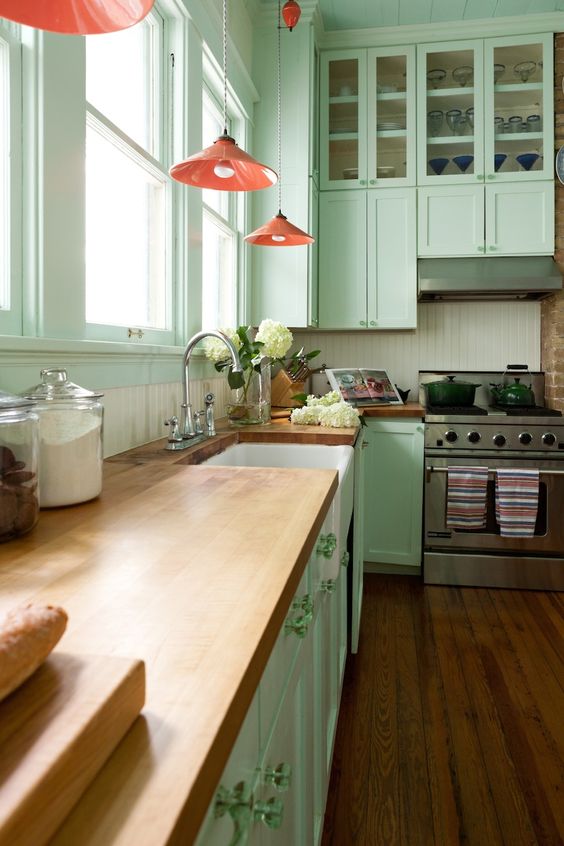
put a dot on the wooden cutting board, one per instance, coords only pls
(56, 731)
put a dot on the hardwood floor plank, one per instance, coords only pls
(450, 730)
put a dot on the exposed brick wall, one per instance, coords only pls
(552, 319)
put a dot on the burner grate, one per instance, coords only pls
(536, 411)
(444, 410)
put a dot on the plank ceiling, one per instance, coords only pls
(358, 14)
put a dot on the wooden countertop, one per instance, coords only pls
(410, 409)
(191, 569)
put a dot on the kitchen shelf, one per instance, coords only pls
(432, 93)
(352, 98)
(392, 95)
(391, 133)
(343, 136)
(441, 140)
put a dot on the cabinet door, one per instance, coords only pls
(357, 580)
(391, 116)
(392, 259)
(519, 113)
(343, 119)
(393, 492)
(313, 258)
(450, 145)
(520, 218)
(451, 220)
(342, 260)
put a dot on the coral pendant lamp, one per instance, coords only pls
(224, 166)
(291, 13)
(279, 232)
(76, 17)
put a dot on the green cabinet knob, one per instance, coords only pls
(492, 249)
(373, 182)
(373, 323)
(270, 812)
(362, 181)
(299, 623)
(238, 803)
(345, 559)
(362, 322)
(480, 177)
(481, 248)
(280, 778)
(326, 545)
(328, 586)
(491, 175)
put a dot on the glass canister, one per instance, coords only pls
(19, 449)
(70, 439)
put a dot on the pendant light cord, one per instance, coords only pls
(225, 67)
(279, 120)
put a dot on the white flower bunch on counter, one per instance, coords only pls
(329, 410)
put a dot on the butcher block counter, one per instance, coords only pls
(191, 569)
(409, 409)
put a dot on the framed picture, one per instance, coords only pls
(364, 387)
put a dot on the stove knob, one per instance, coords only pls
(499, 440)
(549, 439)
(474, 437)
(451, 436)
(525, 438)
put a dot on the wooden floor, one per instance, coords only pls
(451, 728)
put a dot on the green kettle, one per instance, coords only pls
(515, 394)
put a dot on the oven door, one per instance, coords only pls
(549, 529)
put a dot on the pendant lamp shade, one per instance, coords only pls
(291, 13)
(76, 17)
(224, 167)
(279, 232)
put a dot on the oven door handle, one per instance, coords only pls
(430, 469)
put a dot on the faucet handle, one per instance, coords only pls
(209, 399)
(174, 435)
(198, 422)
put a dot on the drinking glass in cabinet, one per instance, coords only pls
(463, 75)
(534, 123)
(435, 120)
(515, 122)
(470, 116)
(499, 125)
(499, 70)
(463, 162)
(461, 125)
(524, 70)
(452, 118)
(499, 159)
(527, 160)
(438, 165)
(436, 76)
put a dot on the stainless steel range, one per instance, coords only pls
(483, 435)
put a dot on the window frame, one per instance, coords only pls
(11, 318)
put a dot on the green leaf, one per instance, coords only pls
(300, 398)
(312, 354)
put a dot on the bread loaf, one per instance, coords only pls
(27, 636)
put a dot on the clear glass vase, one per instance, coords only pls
(250, 405)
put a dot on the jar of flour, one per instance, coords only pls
(70, 439)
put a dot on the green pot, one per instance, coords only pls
(449, 392)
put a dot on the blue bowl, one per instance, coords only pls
(527, 160)
(463, 162)
(499, 159)
(438, 165)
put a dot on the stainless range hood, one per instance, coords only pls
(487, 278)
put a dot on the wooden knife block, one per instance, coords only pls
(283, 390)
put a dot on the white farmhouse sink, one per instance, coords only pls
(308, 456)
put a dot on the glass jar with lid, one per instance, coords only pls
(19, 499)
(70, 439)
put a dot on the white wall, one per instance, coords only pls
(450, 336)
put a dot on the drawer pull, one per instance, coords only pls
(299, 625)
(326, 545)
(328, 586)
(238, 803)
(280, 778)
(345, 559)
(270, 812)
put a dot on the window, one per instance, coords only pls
(219, 236)
(10, 181)
(128, 190)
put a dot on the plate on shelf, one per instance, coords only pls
(559, 164)
(383, 127)
(350, 173)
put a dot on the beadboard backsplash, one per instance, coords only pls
(449, 336)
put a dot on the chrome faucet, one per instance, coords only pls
(187, 431)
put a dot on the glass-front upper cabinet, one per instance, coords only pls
(451, 114)
(367, 118)
(519, 122)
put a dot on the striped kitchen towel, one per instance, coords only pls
(516, 502)
(466, 497)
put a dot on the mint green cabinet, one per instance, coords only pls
(393, 491)
(357, 562)
(511, 218)
(367, 118)
(367, 259)
(482, 104)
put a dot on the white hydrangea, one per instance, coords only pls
(216, 350)
(329, 398)
(338, 415)
(277, 339)
(306, 416)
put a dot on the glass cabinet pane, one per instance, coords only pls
(390, 118)
(343, 140)
(450, 108)
(518, 109)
